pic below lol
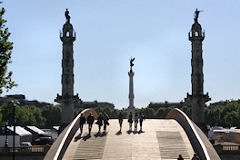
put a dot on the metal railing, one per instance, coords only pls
(24, 149)
(227, 149)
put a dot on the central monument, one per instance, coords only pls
(67, 99)
(198, 98)
(131, 107)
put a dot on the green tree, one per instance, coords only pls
(160, 113)
(231, 119)
(52, 114)
(5, 55)
(29, 115)
(148, 112)
(7, 112)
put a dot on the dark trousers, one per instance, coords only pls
(105, 126)
(81, 128)
(120, 123)
(140, 124)
(90, 127)
(99, 128)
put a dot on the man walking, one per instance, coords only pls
(81, 123)
(135, 121)
(120, 119)
(130, 120)
(105, 121)
(90, 120)
(99, 122)
(141, 117)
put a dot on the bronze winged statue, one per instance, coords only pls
(196, 15)
(131, 63)
(67, 16)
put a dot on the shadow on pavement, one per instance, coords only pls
(98, 134)
(77, 137)
(129, 131)
(86, 137)
(118, 133)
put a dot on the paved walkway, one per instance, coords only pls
(161, 139)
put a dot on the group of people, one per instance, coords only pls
(101, 120)
(195, 157)
(137, 118)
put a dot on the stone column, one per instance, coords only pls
(198, 98)
(131, 107)
(67, 99)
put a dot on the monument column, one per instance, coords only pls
(67, 99)
(131, 107)
(198, 98)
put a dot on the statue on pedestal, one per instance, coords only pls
(196, 15)
(131, 63)
(67, 15)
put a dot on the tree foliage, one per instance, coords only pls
(5, 55)
(52, 114)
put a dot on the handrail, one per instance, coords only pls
(59, 147)
(196, 141)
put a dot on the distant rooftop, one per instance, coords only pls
(37, 130)
(19, 130)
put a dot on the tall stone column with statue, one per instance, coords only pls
(197, 99)
(67, 99)
(131, 107)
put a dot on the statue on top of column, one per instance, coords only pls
(67, 15)
(196, 15)
(131, 63)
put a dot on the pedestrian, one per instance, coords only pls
(105, 121)
(180, 157)
(130, 120)
(99, 122)
(82, 121)
(141, 117)
(195, 157)
(90, 120)
(120, 119)
(135, 121)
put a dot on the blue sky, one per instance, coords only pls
(109, 32)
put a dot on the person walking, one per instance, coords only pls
(141, 117)
(105, 121)
(195, 157)
(120, 119)
(180, 157)
(82, 121)
(99, 122)
(90, 120)
(135, 121)
(130, 120)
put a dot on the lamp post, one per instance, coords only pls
(6, 139)
(13, 105)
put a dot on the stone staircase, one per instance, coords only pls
(171, 145)
(90, 147)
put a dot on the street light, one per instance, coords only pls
(6, 139)
(14, 103)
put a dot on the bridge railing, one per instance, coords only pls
(57, 150)
(24, 149)
(199, 141)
